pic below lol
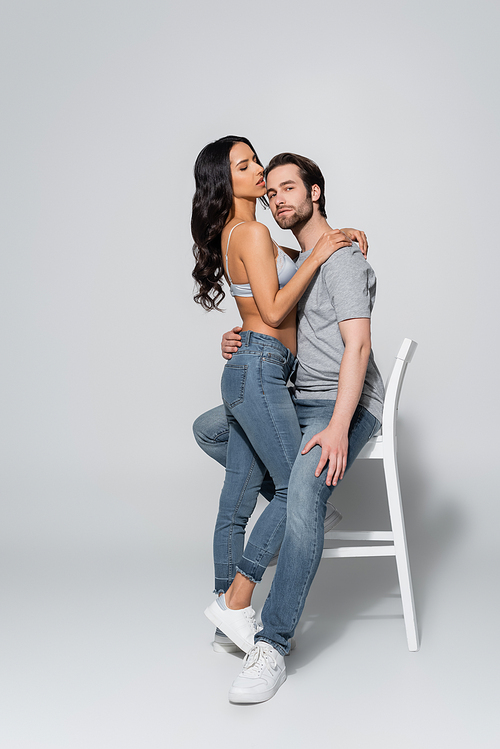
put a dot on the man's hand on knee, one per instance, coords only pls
(334, 445)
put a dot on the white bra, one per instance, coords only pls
(285, 268)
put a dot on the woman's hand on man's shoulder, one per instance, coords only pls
(356, 235)
(328, 243)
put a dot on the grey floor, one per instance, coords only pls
(111, 649)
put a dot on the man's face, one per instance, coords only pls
(287, 194)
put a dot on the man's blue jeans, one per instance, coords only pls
(302, 545)
(263, 433)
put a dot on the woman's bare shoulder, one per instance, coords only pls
(252, 229)
(245, 229)
(251, 233)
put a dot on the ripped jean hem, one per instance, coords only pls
(222, 585)
(247, 575)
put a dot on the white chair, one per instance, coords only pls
(384, 447)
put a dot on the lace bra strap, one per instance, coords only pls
(227, 248)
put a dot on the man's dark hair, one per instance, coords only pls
(310, 174)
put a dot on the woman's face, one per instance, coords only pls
(247, 176)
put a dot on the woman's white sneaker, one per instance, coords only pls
(238, 624)
(263, 673)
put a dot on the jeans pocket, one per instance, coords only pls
(233, 383)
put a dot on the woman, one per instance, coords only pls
(263, 429)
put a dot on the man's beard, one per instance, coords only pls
(300, 215)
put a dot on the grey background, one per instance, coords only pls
(107, 504)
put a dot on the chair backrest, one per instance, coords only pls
(393, 387)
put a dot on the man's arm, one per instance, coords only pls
(334, 440)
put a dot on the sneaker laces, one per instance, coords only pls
(256, 658)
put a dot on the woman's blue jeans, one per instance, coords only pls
(264, 433)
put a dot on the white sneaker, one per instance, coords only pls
(263, 673)
(332, 518)
(238, 624)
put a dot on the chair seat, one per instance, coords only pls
(373, 448)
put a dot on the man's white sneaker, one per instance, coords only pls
(263, 673)
(238, 624)
(332, 518)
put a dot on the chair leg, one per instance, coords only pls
(401, 548)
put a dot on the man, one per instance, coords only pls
(339, 399)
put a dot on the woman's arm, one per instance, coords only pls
(254, 247)
(355, 235)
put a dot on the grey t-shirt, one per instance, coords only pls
(343, 288)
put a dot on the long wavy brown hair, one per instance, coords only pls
(212, 203)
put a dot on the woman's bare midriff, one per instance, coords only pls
(286, 333)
